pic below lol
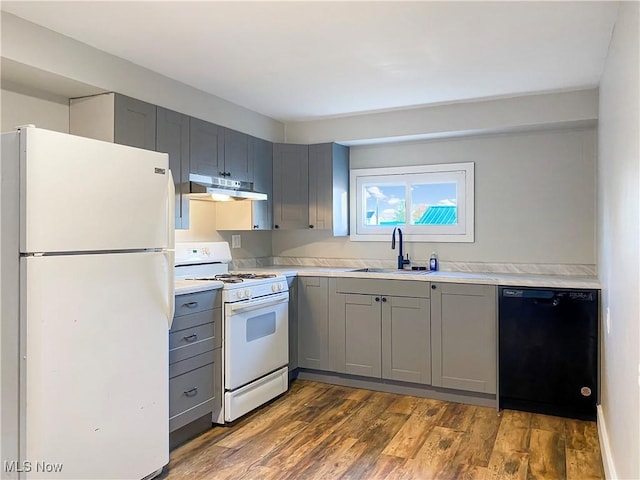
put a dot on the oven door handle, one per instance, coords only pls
(267, 302)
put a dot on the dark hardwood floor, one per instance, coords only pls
(320, 431)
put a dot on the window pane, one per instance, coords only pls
(434, 204)
(384, 204)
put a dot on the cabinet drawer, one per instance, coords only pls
(190, 389)
(196, 348)
(195, 319)
(197, 302)
(370, 286)
(190, 336)
(197, 361)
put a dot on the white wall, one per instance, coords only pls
(619, 244)
(29, 44)
(44, 111)
(535, 200)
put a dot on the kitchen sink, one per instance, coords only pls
(392, 271)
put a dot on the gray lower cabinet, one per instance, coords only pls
(380, 328)
(406, 339)
(195, 359)
(293, 323)
(463, 336)
(313, 323)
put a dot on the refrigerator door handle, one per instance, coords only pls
(171, 244)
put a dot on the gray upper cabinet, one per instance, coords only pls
(329, 188)
(261, 158)
(236, 163)
(135, 123)
(290, 186)
(173, 138)
(313, 323)
(207, 148)
(311, 187)
(251, 215)
(112, 117)
(463, 341)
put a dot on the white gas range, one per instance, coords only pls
(255, 324)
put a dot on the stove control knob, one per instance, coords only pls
(239, 294)
(274, 287)
(247, 293)
(280, 286)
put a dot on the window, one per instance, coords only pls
(431, 203)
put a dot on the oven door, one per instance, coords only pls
(256, 339)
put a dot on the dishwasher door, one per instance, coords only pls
(548, 351)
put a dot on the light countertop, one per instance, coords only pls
(508, 279)
(192, 286)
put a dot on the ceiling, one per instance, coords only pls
(302, 60)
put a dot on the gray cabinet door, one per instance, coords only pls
(237, 164)
(207, 148)
(313, 323)
(135, 123)
(406, 340)
(357, 334)
(290, 186)
(463, 336)
(329, 188)
(293, 323)
(172, 137)
(261, 156)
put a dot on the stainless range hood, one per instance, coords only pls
(215, 189)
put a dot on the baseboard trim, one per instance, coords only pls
(605, 448)
(402, 388)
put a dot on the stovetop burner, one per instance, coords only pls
(236, 277)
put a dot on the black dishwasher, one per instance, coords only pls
(548, 351)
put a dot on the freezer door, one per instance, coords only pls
(80, 194)
(94, 386)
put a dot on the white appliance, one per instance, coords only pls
(255, 327)
(87, 300)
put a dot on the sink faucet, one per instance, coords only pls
(401, 260)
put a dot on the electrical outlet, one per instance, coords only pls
(235, 241)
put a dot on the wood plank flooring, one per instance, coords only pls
(321, 431)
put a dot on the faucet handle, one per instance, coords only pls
(406, 261)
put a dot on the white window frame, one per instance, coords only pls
(460, 173)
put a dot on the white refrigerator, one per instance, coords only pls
(87, 300)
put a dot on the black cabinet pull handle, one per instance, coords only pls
(310, 226)
(384, 299)
(377, 299)
(190, 304)
(191, 338)
(222, 174)
(433, 287)
(192, 392)
(255, 227)
(276, 226)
